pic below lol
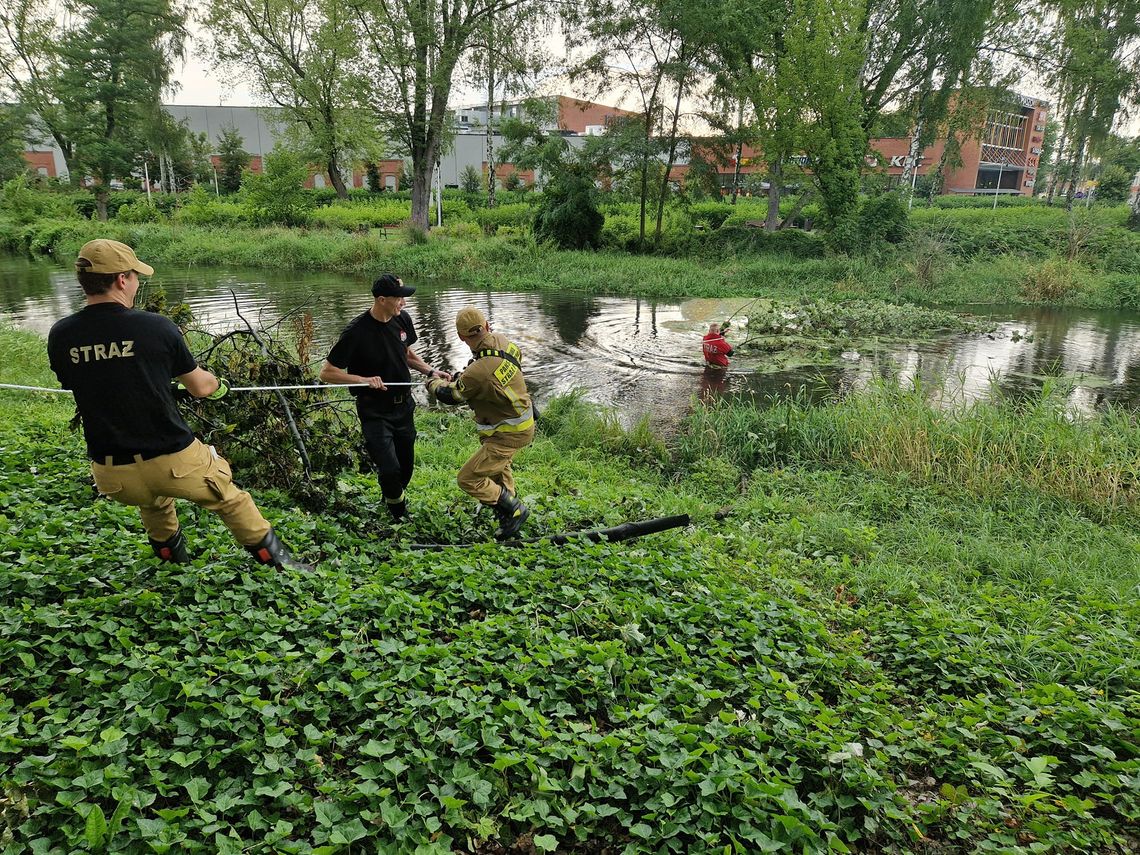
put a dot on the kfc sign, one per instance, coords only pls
(900, 160)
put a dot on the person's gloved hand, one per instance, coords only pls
(432, 384)
(222, 390)
(725, 326)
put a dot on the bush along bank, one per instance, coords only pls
(842, 659)
(922, 270)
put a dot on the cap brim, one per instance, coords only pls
(144, 269)
(405, 291)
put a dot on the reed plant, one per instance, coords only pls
(985, 447)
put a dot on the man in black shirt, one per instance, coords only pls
(376, 348)
(119, 364)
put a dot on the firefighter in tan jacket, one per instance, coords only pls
(494, 387)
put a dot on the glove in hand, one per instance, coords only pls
(222, 390)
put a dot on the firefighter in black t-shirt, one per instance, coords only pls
(119, 363)
(376, 348)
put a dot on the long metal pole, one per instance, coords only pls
(997, 189)
(913, 183)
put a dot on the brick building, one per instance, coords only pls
(1004, 158)
(1008, 148)
(574, 118)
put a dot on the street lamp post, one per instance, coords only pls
(997, 189)
(913, 183)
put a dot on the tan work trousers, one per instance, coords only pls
(196, 473)
(488, 472)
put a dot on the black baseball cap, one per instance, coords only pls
(388, 285)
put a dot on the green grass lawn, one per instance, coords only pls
(837, 655)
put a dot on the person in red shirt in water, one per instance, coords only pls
(716, 349)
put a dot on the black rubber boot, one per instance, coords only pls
(173, 549)
(270, 550)
(398, 509)
(511, 513)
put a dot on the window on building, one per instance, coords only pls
(1005, 130)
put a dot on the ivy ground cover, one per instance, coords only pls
(835, 661)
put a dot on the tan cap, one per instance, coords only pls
(110, 256)
(469, 321)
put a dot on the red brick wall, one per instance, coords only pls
(394, 168)
(575, 115)
(505, 170)
(254, 163)
(38, 160)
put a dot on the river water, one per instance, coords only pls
(642, 356)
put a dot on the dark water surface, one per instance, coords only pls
(641, 355)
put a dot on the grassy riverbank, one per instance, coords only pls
(884, 640)
(953, 257)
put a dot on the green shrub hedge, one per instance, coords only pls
(515, 216)
(749, 239)
(354, 216)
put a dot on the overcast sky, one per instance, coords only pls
(199, 84)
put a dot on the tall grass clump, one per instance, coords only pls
(984, 447)
(577, 423)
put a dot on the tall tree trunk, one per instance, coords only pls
(1079, 138)
(101, 195)
(795, 212)
(911, 164)
(1058, 153)
(1075, 172)
(421, 190)
(739, 149)
(672, 153)
(490, 112)
(335, 177)
(170, 175)
(162, 185)
(775, 176)
(644, 191)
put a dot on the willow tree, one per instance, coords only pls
(643, 47)
(411, 52)
(744, 46)
(300, 56)
(115, 60)
(1095, 65)
(824, 52)
(30, 69)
